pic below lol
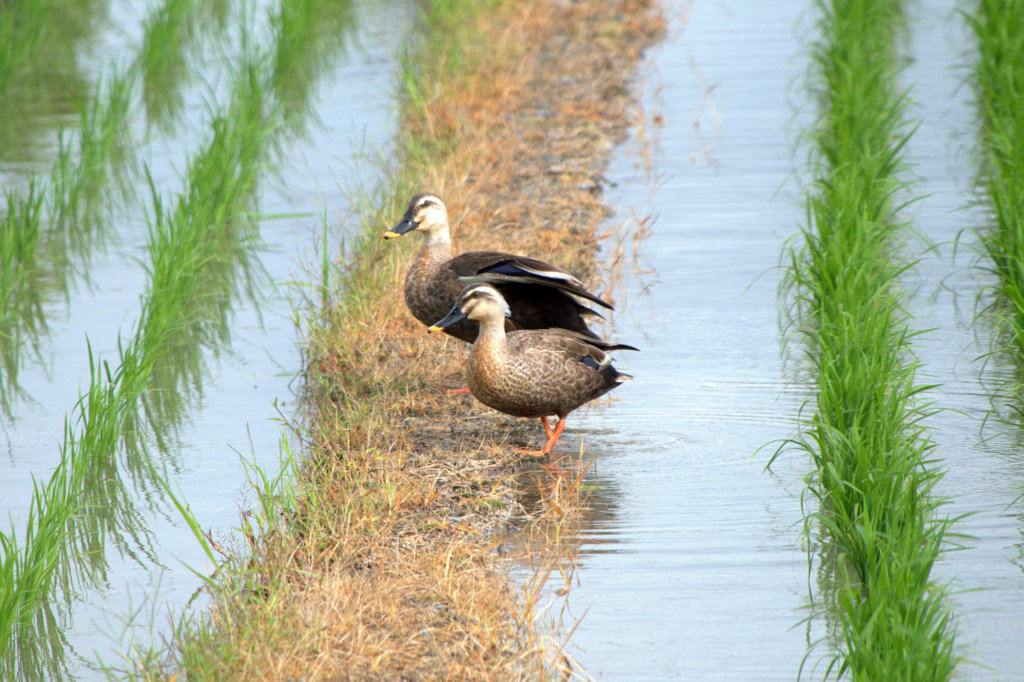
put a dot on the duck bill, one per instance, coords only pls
(406, 224)
(451, 318)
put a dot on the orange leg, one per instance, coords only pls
(552, 438)
(455, 391)
(553, 435)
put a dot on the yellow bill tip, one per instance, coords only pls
(434, 328)
(391, 235)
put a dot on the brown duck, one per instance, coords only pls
(538, 294)
(534, 372)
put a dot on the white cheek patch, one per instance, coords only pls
(475, 302)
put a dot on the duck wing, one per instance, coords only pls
(600, 344)
(579, 348)
(496, 268)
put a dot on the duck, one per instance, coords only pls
(539, 295)
(531, 373)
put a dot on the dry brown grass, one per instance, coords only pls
(396, 562)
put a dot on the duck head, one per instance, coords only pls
(479, 302)
(426, 213)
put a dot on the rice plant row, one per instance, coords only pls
(201, 255)
(93, 171)
(52, 225)
(874, 467)
(40, 44)
(194, 246)
(998, 27)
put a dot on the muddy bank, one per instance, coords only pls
(386, 564)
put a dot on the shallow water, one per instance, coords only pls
(250, 384)
(695, 569)
(983, 465)
(693, 566)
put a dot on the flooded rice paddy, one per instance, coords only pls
(693, 564)
(340, 120)
(694, 567)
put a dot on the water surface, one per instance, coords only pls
(695, 569)
(983, 462)
(693, 566)
(248, 385)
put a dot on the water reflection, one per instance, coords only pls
(602, 518)
(1003, 432)
(172, 40)
(698, 572)
(52, 225)
(600, 501)
(202, 257)
(41, 79)
(92, 175)
(309, 37)
(548, 546)
(21, 295)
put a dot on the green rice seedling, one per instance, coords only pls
(874, 464)
(91, 176)
(40, 73)
(43, 259)
(105, 423)
(56, 554)
(172, 35)
(222, 183)
(196, 250)
(52, 228)
(162, 60)
(21, 311)
(998, 82)
(33, 571)
(307, 36)
(95, 166)
(202, 250)
(200, 257)
(63, 552)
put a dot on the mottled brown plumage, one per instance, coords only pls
(539, 295)
(535, 372)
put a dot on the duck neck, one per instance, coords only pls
(437, 245)
(435, 252)
(492, 333)
(489, 358)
